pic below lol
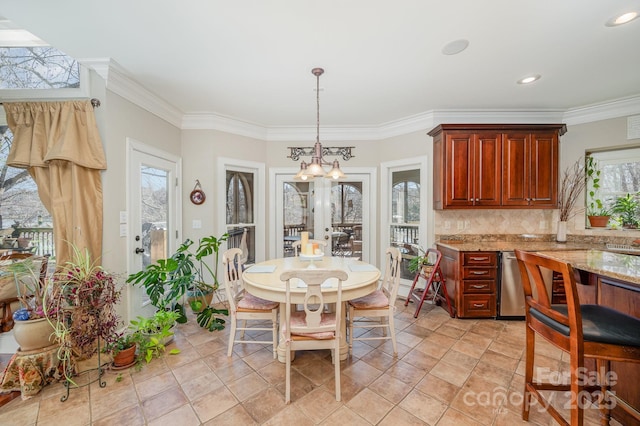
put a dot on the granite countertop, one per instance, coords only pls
(614, 265)
(522, 245)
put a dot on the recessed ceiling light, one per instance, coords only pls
(455, 47)
(529, 79)
(622, 19)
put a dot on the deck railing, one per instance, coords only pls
(41, 239)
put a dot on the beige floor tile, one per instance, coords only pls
(205, 383)
(264, 405)
(213, 404)
(318, 404)
(390, 388)
(438, 388)
(399, 416)
(235, 416)
(370, 406)
(424, 407)
(344, 416)
(183, 416)
(290, 415)
(247, 386)
(155, 385)
(163, 403)
(131, 416)
(454, 374)
(453, 417)
(362, 372)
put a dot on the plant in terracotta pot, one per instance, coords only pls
(123, 350)
(168, 282)
(597, 213)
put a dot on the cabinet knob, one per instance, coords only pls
(478, 305)
(478, 286)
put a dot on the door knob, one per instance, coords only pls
(139, 250)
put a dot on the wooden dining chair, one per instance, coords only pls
(583, 331)
(296, 245)
(313, 328)
(244, 306)
(376, 310)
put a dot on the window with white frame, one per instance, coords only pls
(619, 178)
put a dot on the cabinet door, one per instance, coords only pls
(515, 166)
(459, 169)
(487, 172)
(544, 170)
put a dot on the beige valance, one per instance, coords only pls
(54, 131)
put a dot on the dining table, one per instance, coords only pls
(263, 280)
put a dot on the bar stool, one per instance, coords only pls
(584, 331)
(435, 280)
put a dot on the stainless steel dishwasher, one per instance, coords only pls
(510, 291)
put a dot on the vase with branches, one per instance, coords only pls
(572, 184)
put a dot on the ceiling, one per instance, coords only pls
(251, 60)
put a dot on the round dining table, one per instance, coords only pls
(263, 280)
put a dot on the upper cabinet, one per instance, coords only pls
(496, 165)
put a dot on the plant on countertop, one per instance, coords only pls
(629, 209)
(595, 206)
(167, 281)
(571, 186)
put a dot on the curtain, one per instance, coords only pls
(58, 142)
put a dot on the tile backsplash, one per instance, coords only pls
(537, 222)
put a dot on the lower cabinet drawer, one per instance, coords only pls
(478, 305)
(477, 287)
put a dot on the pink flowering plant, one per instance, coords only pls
(83, 298)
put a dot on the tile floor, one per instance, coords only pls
(448, 372)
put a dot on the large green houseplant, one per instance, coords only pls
(168, 281)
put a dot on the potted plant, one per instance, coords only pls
(168, 281)
(81, 304)
(629, 209)
(123, 350)
(421, 260)
(31, 329)
(153, 334)
(597, 213)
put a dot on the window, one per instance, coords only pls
(20, 205)
(240, 210)
(346, 204)
(619, 176)
(37, 68)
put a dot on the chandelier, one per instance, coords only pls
(317, 152)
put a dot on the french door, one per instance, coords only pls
(153, 214)
(336, 212)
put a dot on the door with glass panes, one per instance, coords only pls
(336, 212)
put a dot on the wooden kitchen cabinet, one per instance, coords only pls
(496, 165)
(473, 170)
(530, 169)
(472, 276)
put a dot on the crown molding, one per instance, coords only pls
(603, 111)
(118, 81)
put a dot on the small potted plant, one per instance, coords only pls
(629, 209)
(153, 334)
(597, 213)
(420, 261)
(123, 350)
